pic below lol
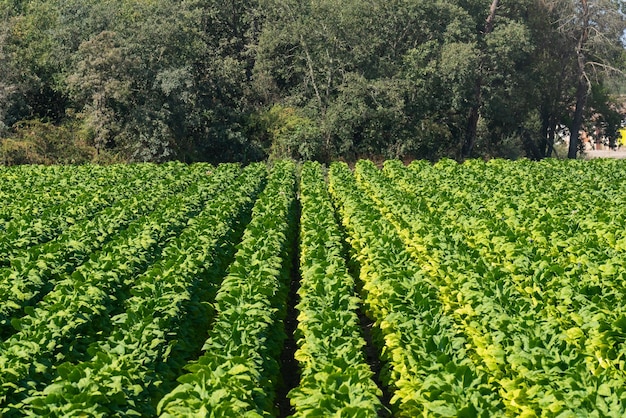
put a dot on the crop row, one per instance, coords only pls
(482, 289)
(335, 379)
(28, 190)
(34, 271)
(429, 369)
(155, 335)
(238, 371)
(79, 306)
(30, 226)
(542, 340)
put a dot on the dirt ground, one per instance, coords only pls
(606, 154)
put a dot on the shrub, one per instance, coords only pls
(39, 142)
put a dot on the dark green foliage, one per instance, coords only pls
(243, 80)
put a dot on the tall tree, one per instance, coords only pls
(594, 29)
(7, 82)
(220, 74)
(553, 74)
(377, 76)
(583, 83)
(474, 113)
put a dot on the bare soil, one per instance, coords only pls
(605, 153)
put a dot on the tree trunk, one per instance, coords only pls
(583, 85)
(472, 124)
(577, 120)
(551, 135)
(474, 113)
(544, 132)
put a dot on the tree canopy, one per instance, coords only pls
(239, 80)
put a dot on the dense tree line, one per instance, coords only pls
(216, 80)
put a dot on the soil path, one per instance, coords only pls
(606, 154)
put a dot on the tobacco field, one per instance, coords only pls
(479, 289)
